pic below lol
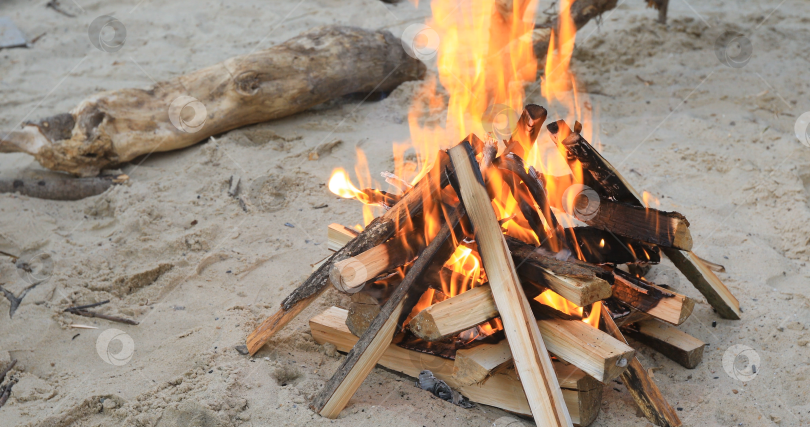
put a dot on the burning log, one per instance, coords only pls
(377, 232)
(669, 341)
(528, 127)
(117, 126)
(368, 350)
(666, 229)
(603, 247)
(657, 302)
(531, 359)
(623, 314)
(641, 386)
(582, 394)
(615, 186)
(570, 339)
(514, 164)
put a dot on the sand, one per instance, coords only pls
(174, 251)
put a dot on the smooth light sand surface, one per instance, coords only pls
(174, 251)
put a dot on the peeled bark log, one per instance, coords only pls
(117, 126)
(57, 186)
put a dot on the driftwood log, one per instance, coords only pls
(117, 126)
(582, 11)
(56, 186)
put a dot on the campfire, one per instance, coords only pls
(509, 256)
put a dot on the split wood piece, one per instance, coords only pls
(641, 386)
(531, 358)
(502, 390)
(377, 232)
(376, 339)
(339, 236)
(117, 126)
(669, 341)
(352, 273)
(669, 229)
(580, 283)
(57, 186)
(715, 292)
(528, 127)
(596, 171)
(658, 302)
(581, 12)
(577, 282)
(596, 246)
(365, 306)
(572, 340)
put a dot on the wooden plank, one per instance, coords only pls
(530, 354)
(669, 341)
(641, 386)
(582, 394)
(371, 346)
(658, 302)
(377, 232)
(715, 292)
(339, 236)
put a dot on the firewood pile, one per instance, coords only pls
(530, 318)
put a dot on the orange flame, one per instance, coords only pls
(554, 300)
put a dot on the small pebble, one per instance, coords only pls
(228, 272)
(289, 225)
(754, 368)
(194, 222)
(242, 349)
(714, 324)
(735, 391)
(211, 371)
(680, 409)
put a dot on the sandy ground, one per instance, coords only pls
(174, 251)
